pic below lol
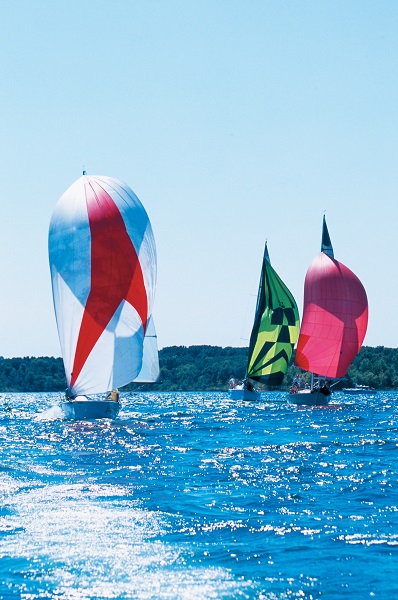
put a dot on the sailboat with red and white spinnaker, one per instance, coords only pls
(103, 270)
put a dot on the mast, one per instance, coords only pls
(258, 303)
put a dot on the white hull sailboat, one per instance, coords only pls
(360, 390)
(333, 326)
(103, 269)
(273, 336)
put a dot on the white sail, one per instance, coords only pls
(150, 360)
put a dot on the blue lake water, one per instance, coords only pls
(193, 496)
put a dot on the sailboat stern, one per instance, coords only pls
(83, 408)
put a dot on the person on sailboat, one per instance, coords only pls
(247, 385)
(325, 389)
(297, 381)
(69, 395)
(113, 395)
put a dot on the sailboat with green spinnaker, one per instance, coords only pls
(274, 334)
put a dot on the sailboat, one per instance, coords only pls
(273, 336)
(103, 270)
(333, 327)
(360, 390)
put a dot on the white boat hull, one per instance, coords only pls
(239, 394)
(81, 408)
(308, 398)
(359, 391)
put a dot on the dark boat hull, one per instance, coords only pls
(308, 398)
(82, 408)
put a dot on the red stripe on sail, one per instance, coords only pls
(335, 318)
(116, 274)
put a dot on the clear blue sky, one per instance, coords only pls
(233, 121)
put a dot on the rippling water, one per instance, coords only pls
(193, 496)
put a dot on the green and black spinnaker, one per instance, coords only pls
(275, 330)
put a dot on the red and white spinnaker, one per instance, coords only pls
(103, 269)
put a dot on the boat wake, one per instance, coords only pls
(51, 414)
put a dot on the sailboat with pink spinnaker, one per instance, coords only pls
(333, 326)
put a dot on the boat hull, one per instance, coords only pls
(237, 394)
(308, 398)
(82, 408)
(359, 392)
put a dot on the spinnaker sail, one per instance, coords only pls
(275, 329)
(335, 315)
(103, 269)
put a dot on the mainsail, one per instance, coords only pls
(103, 268)
(335, 315)
(275, 329)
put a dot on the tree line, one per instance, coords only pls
(198, 368)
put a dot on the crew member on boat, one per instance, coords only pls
(69, 395)
(325, 389)
(296, 385)
(297, 381)
(247, 385)
(113, 395)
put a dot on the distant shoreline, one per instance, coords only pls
(197, 368)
